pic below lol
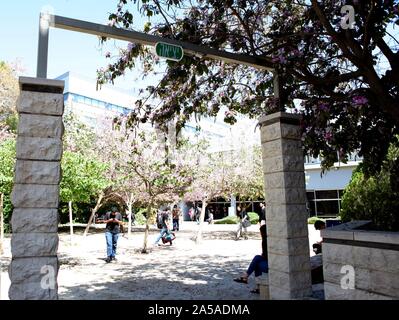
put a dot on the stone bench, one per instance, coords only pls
(263, 284)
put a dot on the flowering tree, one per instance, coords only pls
(163, 180)
(213, 178)
(9, 92)
(341, 76)
(247, 177)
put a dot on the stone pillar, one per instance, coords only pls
(286, 215)
(34, 267)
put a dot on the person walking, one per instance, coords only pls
(164, 228)
(176, 217)
(113, 222)
(243, 223)
(197, 212)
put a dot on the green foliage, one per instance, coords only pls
(7, 156)
(140, 218)
(82, 177)
(81, 211)
(312, 220)
(227, 220)
(253, 217)
(375, 197)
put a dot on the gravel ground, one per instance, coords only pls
(184, 270)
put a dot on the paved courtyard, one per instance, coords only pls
(181, 271)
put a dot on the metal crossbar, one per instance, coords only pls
(48, 20)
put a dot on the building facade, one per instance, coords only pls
(324, 191)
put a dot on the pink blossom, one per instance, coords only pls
(359, 100)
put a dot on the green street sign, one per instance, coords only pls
(169, 51)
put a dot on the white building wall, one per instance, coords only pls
(336, 178)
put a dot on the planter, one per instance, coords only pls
(360, 264)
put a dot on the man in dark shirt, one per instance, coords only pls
(164, 226)
(113, 220)
(262, 217)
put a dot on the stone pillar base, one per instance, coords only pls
(286, 215)
(34, 267)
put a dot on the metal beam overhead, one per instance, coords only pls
(47, 20)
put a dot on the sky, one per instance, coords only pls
(68, 51)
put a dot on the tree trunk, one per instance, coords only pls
(171, 215)
(198, 238)
(146, 233)
(70, 220)
(1, 223)
(147, 229)
(93, 212)
(129, 227)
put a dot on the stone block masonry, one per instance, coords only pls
(286, 215)
(34, 267)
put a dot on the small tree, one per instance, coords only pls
(83, 177)
(213, 178)
(162, 179)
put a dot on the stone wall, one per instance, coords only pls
(373, 256)
(35, 196)
(286, 214)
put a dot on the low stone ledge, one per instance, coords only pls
(263, 282)
(381, 282)
(344, 231)
(335, 292)
(376, 236)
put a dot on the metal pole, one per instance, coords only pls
(42, 53)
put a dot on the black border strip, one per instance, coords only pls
(283, 119)
(366, 244)
(41, 88)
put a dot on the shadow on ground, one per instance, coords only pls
(162, 280)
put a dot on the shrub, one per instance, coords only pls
(312, 220)
(140, 218)
(253, 217)
(374, 198)
(227, 220)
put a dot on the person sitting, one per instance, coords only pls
(259, 263)
(318, 225)
(316, 262)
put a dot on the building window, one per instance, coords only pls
(324, 203)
